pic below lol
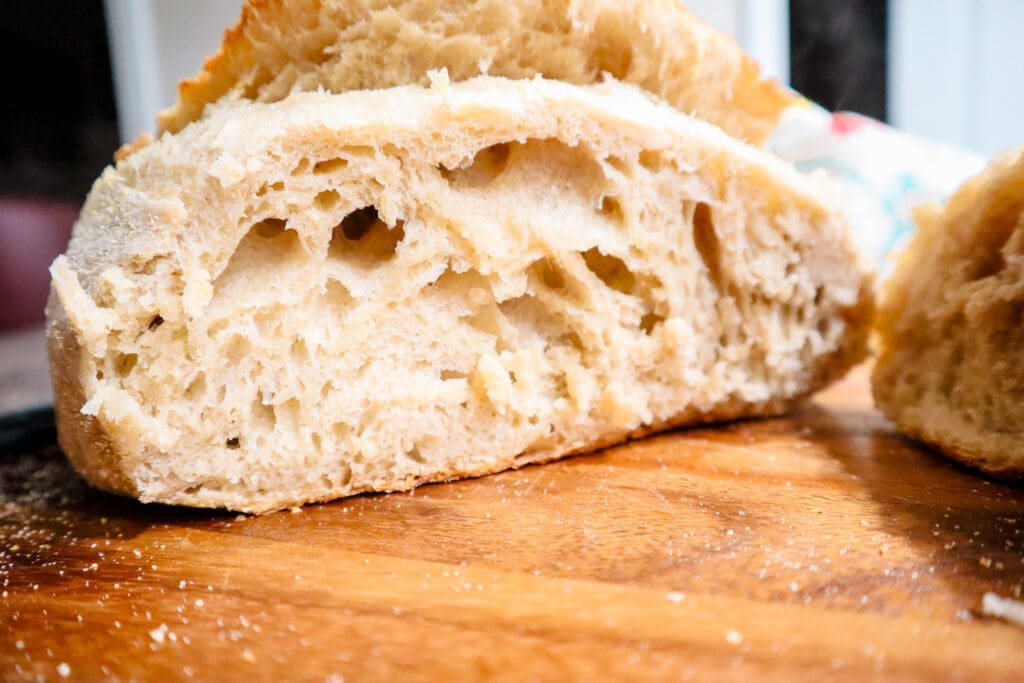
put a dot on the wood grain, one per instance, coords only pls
(816, 547)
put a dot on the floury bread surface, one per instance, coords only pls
(950, 326)
(280, 46)
(330, 294)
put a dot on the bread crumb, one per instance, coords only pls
(675, 596)
(1003, 608)
(64, 670)
(159, 633)
(733, 637)
(248, 656)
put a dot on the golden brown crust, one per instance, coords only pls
(141, 140)
(656, 44)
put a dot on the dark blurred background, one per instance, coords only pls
(59, 128)
(838, 53)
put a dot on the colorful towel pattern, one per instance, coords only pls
(882, 174)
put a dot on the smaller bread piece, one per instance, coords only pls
(950, 324)
(282, 46)
(330, 294)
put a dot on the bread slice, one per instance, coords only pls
(950, 326)
(330, 294)
(280, 46)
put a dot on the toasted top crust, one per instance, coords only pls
(279, 46)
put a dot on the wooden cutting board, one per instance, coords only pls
(821, 546)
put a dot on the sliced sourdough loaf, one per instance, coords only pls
(280, 46)
(950, 325)
(329, 294)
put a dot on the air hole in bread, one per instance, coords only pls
(550, 274)
(327, 200)
(531, 318)
(355, 225)
(125, 363)
(196, 388)
(986, 265)
(706, 241)
(233, 443)
(487, 320)
(337, 298)
(620, 165)
(485, 167)
(299, 352)
(650, 321)
(301, 167)
(611, 270)
(156, 322)
(650, 159)
(329, 166)
(264, 189)
(615, 55)
(346, 476)
(365, 240)
(452, 374)
(270, 228)
(612, 209)
(415, 455)
(263, 412)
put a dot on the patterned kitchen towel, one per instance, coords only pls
(882, 174)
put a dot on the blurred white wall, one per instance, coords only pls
(956, 71)
(156, 43)
(760, 26)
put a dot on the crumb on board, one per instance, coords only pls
(1011, 610)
